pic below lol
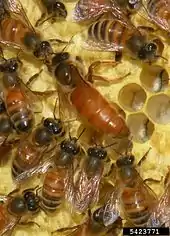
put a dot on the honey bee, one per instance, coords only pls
(78, 93)
(90, 10)
(132, 195)
(6, 130)
(93, 226)
(161, 213)
(41, 142)
(117, 36)
(16, 208)
(87, 185)
(17, 31)
(58, 181)
(19, 100)
(159, 13)
(53, 10)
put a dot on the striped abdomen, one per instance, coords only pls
(109, 32)
(95, 109)
(27, 156)
(15, 31)
(19, 110)
(136, 206)
(159, 11)
(53, 189)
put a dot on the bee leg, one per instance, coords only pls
(40, 21)
(91, 77)
(153, 180)
(30, 223)
(13, 192)
(146, 29)
(57, 41)
(33, 78)
(45, 93)
(118, 56)
(143, 158)
(74, 228)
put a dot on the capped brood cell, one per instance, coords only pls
(140, 126)
(154, 78)
(158, 108)
(132, 97)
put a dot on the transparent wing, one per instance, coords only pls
(111, 208)
(43, 167)
(16, 8)
(66, 110)
(89, 10)
(69, 184)
(87, 187)
(34, 101)
(161, 213)
(160, 18)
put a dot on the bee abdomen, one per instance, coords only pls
(107, 31)
(53, 190)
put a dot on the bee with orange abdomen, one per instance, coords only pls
(90, 10)
(93, 226)
(117, 36)
(58, 182)
(53, 10)
(159, 13)
(88, 180)
(16, 31)
(17, 206)
(132, 196)
(41, 142)
(78, 93)
(161, 213)
(19, 101)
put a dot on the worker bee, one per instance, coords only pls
(78, 94)
(159, 13)
(132, 195)
(161, 213)
(90, 10)
(38, 145)
(58, 181)
(93, 226)
(88, 180)
(17, 31)
(16, 208)
(20, 102)
(7, 134)
(117, 36)
(52, 10)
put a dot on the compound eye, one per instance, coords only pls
(45, 44)
(133, 4)
(151, 47)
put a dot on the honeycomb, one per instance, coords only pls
(143, 96)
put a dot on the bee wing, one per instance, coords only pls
(34, 101)
(66, 110)
(161, 212)
(87, 188)
(43, 167)
(15, 7)
(69, 184)
(89, 10)
(111, 208)
(154, 15)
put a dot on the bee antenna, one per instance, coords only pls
(69, 42)
(81, 134)
(109, 145)
(164, 58)
(55, 108)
